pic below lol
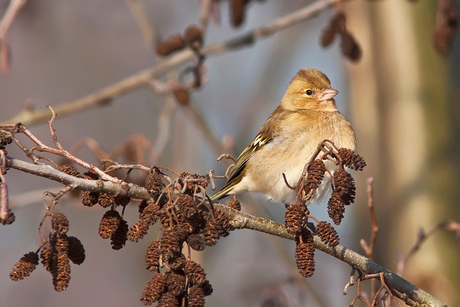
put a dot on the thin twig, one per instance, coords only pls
(211, 179)
(117, 166)
(56, 196)
(52, 131)
(27, 198)
(54, 200)
(164, 125)
(369, 248)
(287, 183)
(358, 294)
(328, 148)
(383, 286)
(40, 225)
(64, 153)
(422, 237)
(5, 23)
(93, 146)
(199, 121)
(228, 170)
(136, 143)
(204, 15)
(226, 156)
(10, 14)
(137, 8)
(5, 57)
(351, 282)
(2, 164)
(49, 160)
(160, 87)
(28, 152)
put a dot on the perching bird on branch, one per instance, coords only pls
(306, 116)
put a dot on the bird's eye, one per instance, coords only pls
(309, 92)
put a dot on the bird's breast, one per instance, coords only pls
(292, 148)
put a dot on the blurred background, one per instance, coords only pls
(402, 98)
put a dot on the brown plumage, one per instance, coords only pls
(306, 116)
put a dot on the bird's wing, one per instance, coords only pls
(238, 170)
(265, 136)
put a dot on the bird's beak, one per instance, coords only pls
(327, 94)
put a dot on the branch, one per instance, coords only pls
(143, 77)
(279, 24)
(238, 220)
(124, 189)
(241, 220)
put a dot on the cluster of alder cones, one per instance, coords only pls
(188, 219)
(343, 194)
(55, 257)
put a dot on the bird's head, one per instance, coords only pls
(309, 89)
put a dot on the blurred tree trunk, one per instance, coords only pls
(402, 115)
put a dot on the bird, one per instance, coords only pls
(306, 116)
